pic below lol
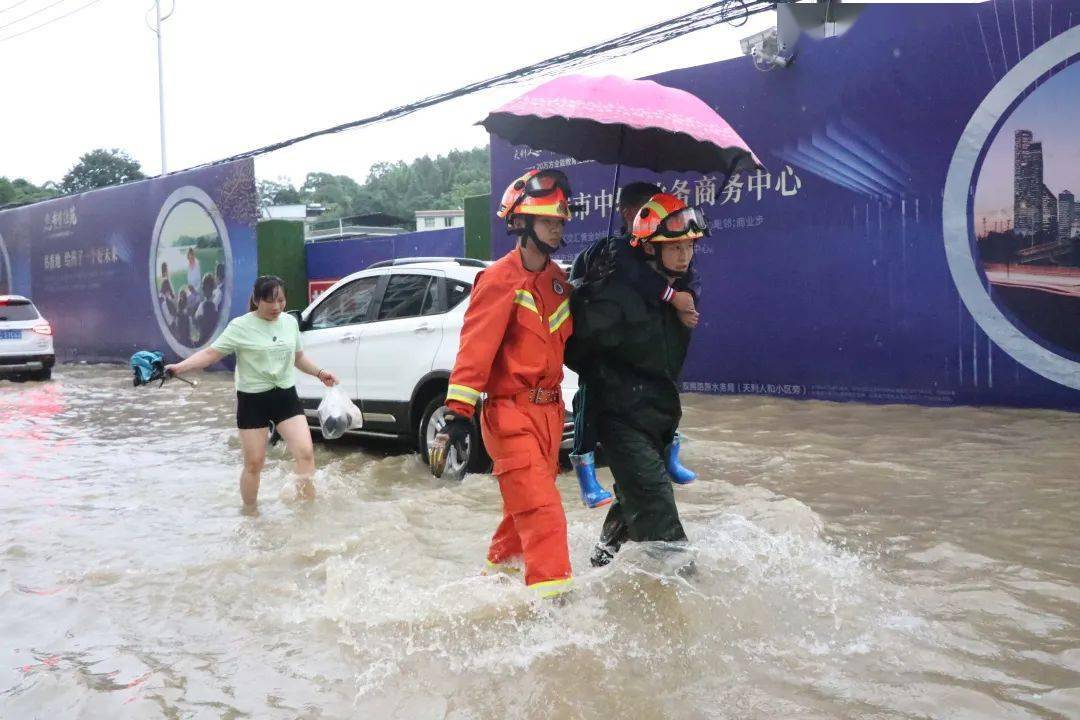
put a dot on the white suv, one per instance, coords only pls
(390, 333)
(26, 344)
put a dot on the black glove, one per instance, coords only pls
(453, 434)
(601, 264)
(457, 428)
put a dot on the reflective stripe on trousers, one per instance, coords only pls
(523, 441)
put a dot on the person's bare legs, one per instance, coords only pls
(253, 443)
(297, 438)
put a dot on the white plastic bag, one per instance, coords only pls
(337, 413)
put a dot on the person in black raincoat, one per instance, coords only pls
(630, 353)
(598, 261)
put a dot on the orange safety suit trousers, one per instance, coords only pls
(523, 440)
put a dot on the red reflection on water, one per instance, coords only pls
(40, 591)
(49, 663)
(25, 431)
(39, 400)
(139, 680)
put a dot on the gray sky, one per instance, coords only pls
(240, 74)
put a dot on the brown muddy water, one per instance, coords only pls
(853, 562)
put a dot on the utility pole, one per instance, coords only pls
(156, 29)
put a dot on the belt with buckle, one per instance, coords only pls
(542, 396)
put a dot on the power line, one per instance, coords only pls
(12, 7)
(621, 46)
(48, 22)
(36, 12)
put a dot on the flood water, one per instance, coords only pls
(853, 562)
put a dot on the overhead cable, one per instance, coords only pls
(11, 7)
(36, 12)
(47, 22)
(621, 46)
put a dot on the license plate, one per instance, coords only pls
(10, 334)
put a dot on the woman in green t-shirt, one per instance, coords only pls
(267, 346)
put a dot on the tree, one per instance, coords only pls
(101, 168)
(339, 193)
(398, 188)
(21, 192)
(427, 184)
(279, 192)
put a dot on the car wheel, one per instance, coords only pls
(431, 421)
(45, 374)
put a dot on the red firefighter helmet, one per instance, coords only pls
(666, 218)
(545, 193)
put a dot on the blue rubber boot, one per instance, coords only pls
(592, 494)
(679, 474)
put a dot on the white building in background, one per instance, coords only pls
(285, 212)
(439, 219)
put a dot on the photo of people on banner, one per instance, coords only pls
(191, 276)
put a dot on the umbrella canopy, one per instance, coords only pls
(147, 366)
(613, 120)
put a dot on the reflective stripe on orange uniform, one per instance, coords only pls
(514, 334)
(512, 341)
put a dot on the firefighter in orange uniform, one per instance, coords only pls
(512, 342)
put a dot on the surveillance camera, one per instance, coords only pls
(766, 60)
(779, 60)
(766, 50)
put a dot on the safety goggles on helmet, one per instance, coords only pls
(543, 193)
(679, 224)
(546, 182)
(543, 184)
(666, 218)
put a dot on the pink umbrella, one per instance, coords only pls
(617, 121)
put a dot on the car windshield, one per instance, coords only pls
(17, 310)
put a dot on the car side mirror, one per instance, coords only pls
(299, 319)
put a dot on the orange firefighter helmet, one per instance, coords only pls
(666, 218)
(544, 193)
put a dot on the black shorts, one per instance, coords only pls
(258, 410)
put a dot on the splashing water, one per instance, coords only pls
(847, 562)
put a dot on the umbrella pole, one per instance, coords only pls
(614, 190)
(615, 182)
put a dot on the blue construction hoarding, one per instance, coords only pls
(913, 236)
(161, 263)
(334, 259)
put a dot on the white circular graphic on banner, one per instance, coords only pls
(7, 286)
(957, 225)
(191, 270)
